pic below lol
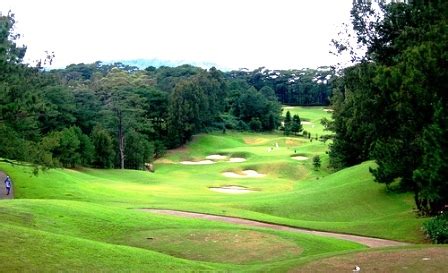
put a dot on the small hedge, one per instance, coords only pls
(437, 229)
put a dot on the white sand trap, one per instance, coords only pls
(299, 158)
(245, 174)
(230, 189)
(237, 159)
(252, 173)
(216, 157)
(202, 162)
(328, 110)
(306, 123)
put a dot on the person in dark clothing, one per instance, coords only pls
(8, 185)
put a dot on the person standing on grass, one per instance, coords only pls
(8, 184)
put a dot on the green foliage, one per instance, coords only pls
(242, 126)
(187, 111)
(287, 124)
(68, 149)
(252, 104)
(11, 144)
(59, 109)
(296, 125)
(255, 124)
(431, 176)
(437, 229)
(355, 116)
(393, 107)
(138, 151)
(291, 87)
(316, 162)
(86, 148)
(104, 150)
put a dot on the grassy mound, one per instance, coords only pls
(79, 218)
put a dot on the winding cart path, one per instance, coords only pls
(367, 241)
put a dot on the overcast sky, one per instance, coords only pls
(278, 34)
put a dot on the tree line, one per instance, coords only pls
(392, 106)
(115, 115)
(304, 87)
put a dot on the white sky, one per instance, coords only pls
(278, 34)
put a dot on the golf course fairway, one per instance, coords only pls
(94, 220)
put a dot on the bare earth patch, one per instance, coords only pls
(164, 161)
(300, 158)
(231, 189)
(367, 241)
(254, 140)
(244, 174)
(431, 259)
(202, 162)
(292, 142)
(216, 157)
(217, 245)
(237, 159)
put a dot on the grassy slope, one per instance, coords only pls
(311, 114)
(89, 208)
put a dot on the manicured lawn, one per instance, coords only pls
(73, 220)
(313, 115)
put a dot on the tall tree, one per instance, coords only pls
(287, 123)
(122, 106)
(187, 110)
(296, 125)
(104, 150)
(389, 105)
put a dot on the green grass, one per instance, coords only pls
(310, 114)
(73, 220)
(417, 259)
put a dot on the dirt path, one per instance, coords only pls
(3, 189)
(368, 241)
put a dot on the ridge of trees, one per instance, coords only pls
(292, 87)
(116, 115)
(392, 106)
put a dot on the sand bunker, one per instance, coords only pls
(328, 110)
(202, 162)
(306, 123)
(216, 157)
(210, 160)
(237, 159)
(244, 174)
(230, 189)
(299, 158)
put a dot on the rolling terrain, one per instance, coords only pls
(95, 220)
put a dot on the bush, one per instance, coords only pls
(242, 126)
(255, 124)
(230, 122)
(437, 229)
(316, 162)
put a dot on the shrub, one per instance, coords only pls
(316, 162)
(437, 229)
(255, 124)
(242, 126)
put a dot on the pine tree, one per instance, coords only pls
(287, 123)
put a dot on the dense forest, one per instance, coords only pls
(118, 116)
(392, 106)
(293, 87)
